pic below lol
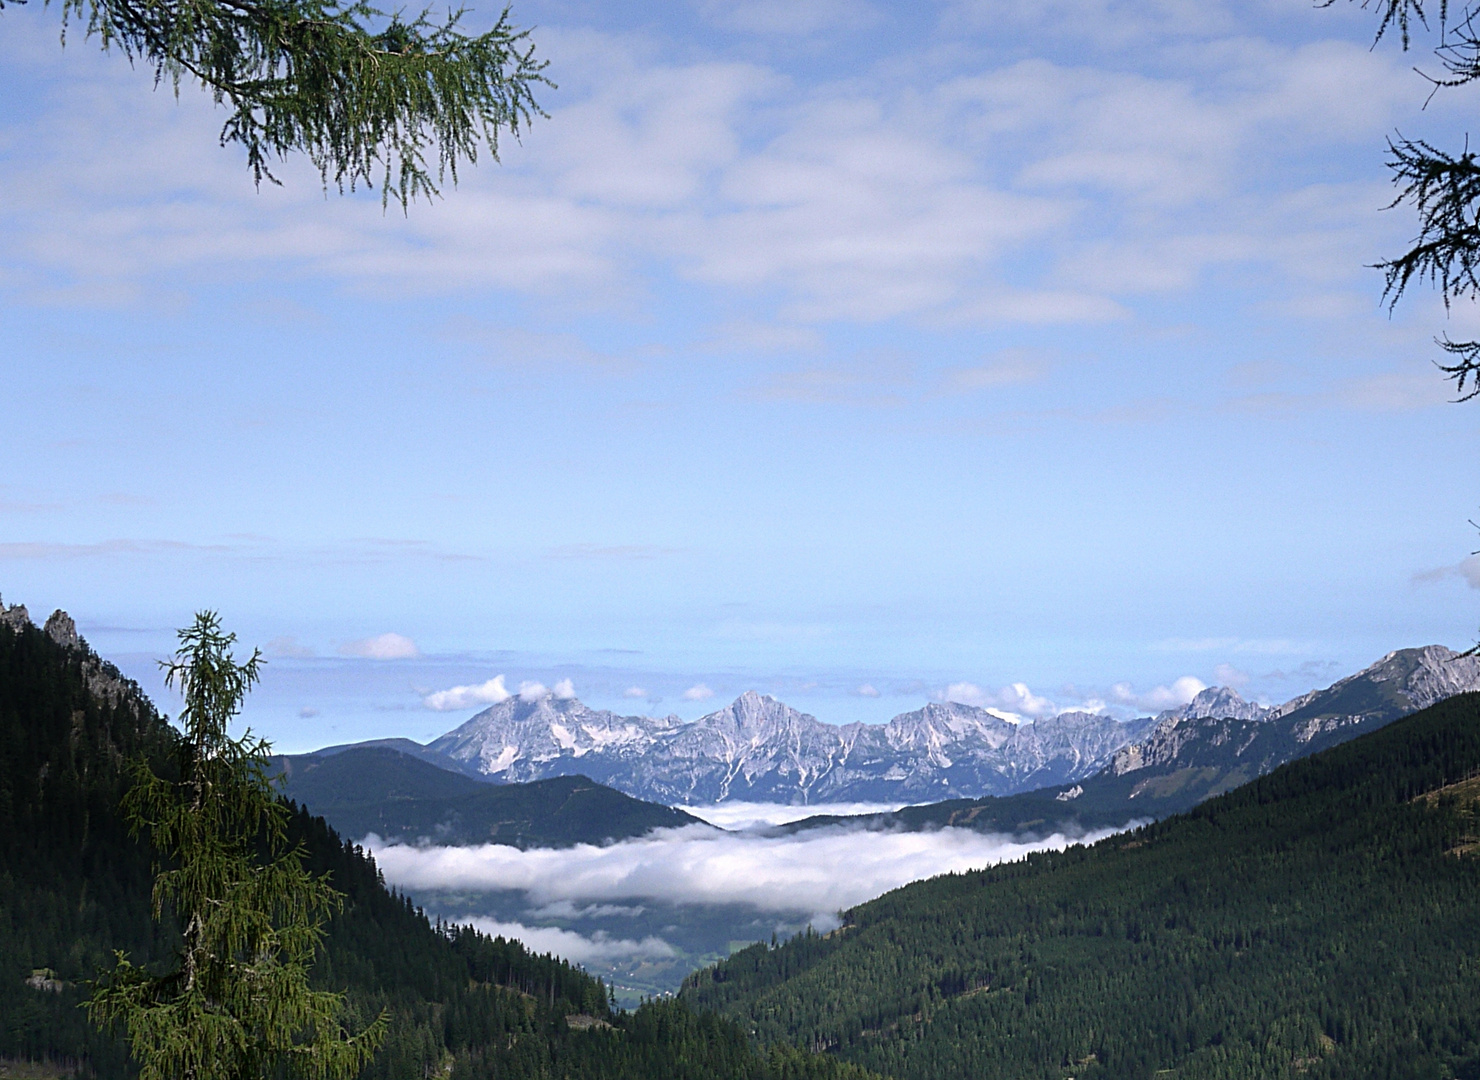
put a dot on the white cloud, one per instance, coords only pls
(738, 815)
(464, 697)
(866, 690)
(698, 692)
(1179, 693)
(1012, 702)
(1018, 698)
(382, 647)
(966, 693)
(577, 948)
(533, 691)
(634, 692)
(564, 690)
(814, 872)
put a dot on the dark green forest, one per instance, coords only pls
(379, 789)
(74, 886)
(1322, 921)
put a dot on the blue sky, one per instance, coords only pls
(806, 346)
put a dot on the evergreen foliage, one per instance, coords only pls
(1442, 186)
(239, 1001)
(1322, 921)
(75, 885)
(364, 93)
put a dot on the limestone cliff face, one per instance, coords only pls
(758, 748)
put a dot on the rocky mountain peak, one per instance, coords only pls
(61, 629)
(1223, 703)
(1435, 673)
(941, 723)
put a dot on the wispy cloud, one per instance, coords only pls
(1252, 646)
(387, 646)
(287, 646)
(698, 692)
(608, 551)
(1467, 570)
(859, 201)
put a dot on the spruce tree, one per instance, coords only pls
(238, 1004)
(367, 95)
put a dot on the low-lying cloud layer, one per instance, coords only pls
(819, 871)
(599, 948)
(749, 815)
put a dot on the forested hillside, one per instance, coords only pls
(74, 886)
(381, 790)
(1321, 921)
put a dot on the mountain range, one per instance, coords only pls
(760, 749)
(1214, 744)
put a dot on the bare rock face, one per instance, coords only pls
(61, 629)
(758, 748)
(17, 617)
(1223, 703)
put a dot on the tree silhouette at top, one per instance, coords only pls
(368, 95)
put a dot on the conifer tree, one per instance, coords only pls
(1443, 186)
(238, 1004)
(366, 94)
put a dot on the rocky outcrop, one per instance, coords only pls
(17, 617)
(61, 629)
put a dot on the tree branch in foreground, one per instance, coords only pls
(367, 95)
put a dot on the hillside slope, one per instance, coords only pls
(74, 886)
(1322, 921)
(403, 799)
